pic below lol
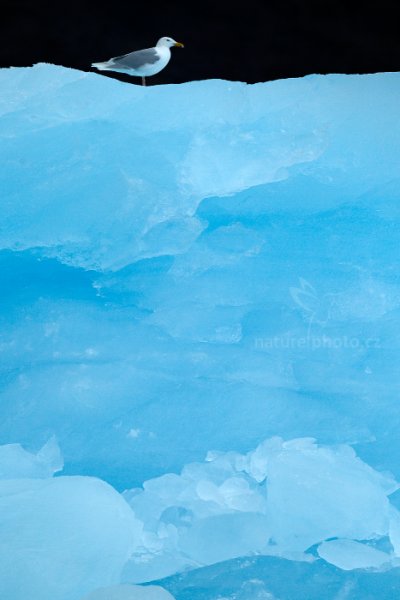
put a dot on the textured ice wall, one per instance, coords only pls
(243, 246)
(201, 267)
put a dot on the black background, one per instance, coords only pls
(259, 40)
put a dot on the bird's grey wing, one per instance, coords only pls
(137, 59)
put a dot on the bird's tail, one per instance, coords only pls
(102, 66)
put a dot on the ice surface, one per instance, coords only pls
(198, 267)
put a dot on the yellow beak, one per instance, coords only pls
(179, 45)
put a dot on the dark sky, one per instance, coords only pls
(260, 41)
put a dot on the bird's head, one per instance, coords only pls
(169, 42)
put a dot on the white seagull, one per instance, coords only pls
(142, 63)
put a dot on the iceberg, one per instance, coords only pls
(199, 339)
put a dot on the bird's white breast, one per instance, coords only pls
(165, 54)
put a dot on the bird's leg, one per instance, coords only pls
(143, 80)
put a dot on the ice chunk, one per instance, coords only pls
(281, 498)
(317, 492)
(130, 592)
(349, 554)
(63, 537)
(15, 462)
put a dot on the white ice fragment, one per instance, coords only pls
(15, 462)
(133, 433)
(257, 460)
(349, 554)
(208, 491)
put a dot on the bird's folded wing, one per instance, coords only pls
(137, 59)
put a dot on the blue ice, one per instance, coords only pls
(199, 338)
